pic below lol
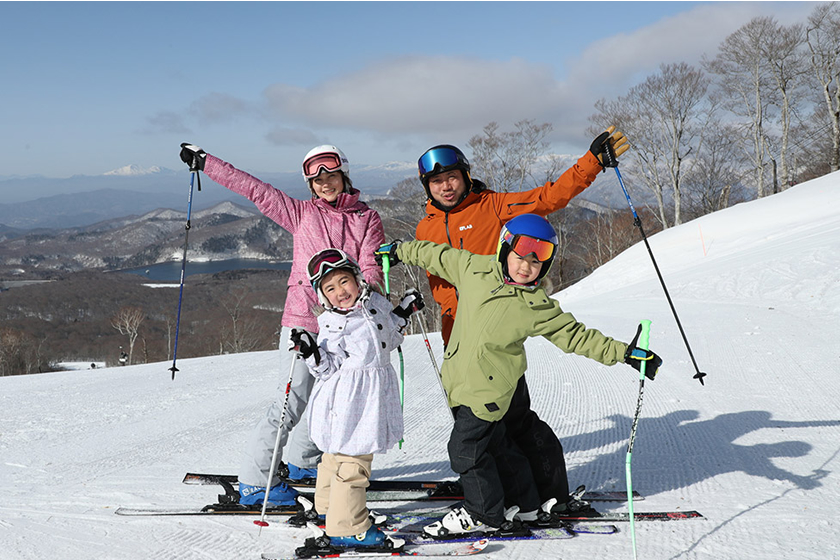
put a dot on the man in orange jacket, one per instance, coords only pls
(463, 213)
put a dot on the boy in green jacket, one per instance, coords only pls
(500, 304)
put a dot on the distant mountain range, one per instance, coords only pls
(41, 202)
(226, 230)
(28, 203)
(113, 229)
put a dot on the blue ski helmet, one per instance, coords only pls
(526, 234)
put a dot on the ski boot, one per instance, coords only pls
(305, 513)
(551, 514)
(458, 523)
(575, 506)
(372, 540)
(301, 475)
(279, 495)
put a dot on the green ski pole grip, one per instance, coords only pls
(644, 343)
(386, 268)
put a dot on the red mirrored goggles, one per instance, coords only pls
(328, 162)
(523, 246)
(327, 259)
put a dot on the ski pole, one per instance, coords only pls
(386, 269)
(262, 522)
(431, 353)
(173, 369)
(638, 223)
(644, 344)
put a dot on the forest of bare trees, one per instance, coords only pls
(93, 316)
(759, 115)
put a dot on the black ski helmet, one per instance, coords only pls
(439, 159)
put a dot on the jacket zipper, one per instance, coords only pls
(512, 204)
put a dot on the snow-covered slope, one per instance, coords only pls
(756, 450)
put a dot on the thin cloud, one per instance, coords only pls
(165, 122)
(419, 94)
(429, 96)
(282, 136)
(685, 37)
(220, 107)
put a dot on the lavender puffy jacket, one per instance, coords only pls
(350, 226)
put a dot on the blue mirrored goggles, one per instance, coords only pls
(443, 157)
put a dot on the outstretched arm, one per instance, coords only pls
(571, 336)
(441, 260)
(273, 203)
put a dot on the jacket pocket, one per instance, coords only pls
(512, 205)
(498, 374)
(451, 350)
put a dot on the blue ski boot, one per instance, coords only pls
(279, 495)
(372, 539)
(299, 474)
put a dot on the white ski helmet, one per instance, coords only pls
(324, 158)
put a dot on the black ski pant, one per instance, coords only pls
(538, 442)
(482, 454)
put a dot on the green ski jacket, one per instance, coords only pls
(485, 356)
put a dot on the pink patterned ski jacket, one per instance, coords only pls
(350, 225)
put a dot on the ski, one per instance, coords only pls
(413, 522)
(212, 509)
(238, 509)
(531, 535)
(430, 549)
(638, 516)
(409, 521)
(396, 490)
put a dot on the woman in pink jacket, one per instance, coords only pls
(333, 217)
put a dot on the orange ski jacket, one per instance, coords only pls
(476, 222)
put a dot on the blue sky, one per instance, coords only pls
(88, 87)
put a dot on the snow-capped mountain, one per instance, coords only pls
(134, 170)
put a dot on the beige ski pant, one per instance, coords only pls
(340, 493)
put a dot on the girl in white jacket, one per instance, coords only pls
(354, 410)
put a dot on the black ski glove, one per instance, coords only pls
(389, 250)
(608, 146)
(635, 356)
(193, 156)
(304, 342)
(411, 302)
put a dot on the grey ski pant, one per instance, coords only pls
(300, 451)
